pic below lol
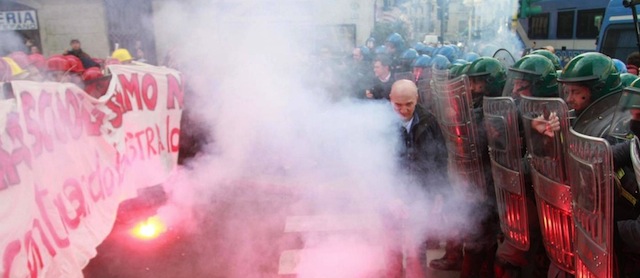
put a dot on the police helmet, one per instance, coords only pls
(627, 78)
(594, 70)
(423, 61)
(620, 65)
(440, 62)
(492, 71)
(552, 57)
(396, 41)
(539, 71)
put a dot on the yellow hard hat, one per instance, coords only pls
(15, 68)
(122, 55)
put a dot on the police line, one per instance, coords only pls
(67, 160)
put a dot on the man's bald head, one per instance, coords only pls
(404, 97)
(404, 88)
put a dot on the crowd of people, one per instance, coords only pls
(492, 245)
(74, 66)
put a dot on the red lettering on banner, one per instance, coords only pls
(108, 181)
(175, 91)
(93, 126)
(10, 161)
(140, 150)
(149, 83)
(130, 88)
(73, 193)
(34, 258)
(173, 137)
(114, 105)
(40, 194)
(150, 137)
(33, 250)
(10, 252)
(161, 147)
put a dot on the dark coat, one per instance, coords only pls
(424, 152)
(381, 89)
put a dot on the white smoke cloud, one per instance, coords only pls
(282, 149)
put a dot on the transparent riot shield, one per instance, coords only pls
(590, 169)
(549, 176)
(629, 100)
(460, 130)
(597, 118)
(502, 127)
(424, 91)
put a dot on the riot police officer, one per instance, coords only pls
(486, 78)
(587, 78)
(533, 75)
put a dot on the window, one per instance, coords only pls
(565, 25)
(539, 26)
(589, 23)
(619, 41)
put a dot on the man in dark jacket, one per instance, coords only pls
(383, 80)
(424, 154)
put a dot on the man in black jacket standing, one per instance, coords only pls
(424, 154)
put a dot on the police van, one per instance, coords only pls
(618, 37)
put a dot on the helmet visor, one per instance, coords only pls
(519, 84)
(628, 109)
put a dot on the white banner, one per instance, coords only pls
(67, 160)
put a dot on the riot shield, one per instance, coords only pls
(460, 130)
(505, 57)
(630, 99)
(501, 124)
(597, 118)
(424, 91)
(548, 173)
(590, 169)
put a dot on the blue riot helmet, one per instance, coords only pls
(471, 56)
(370, 43)
(406, 59)
(366, 53)
(436, 51)
(423, 61)
(408, 56)
(440, 62)
(419, 65)
(394, 43)
(428, 50)
(420, 47)
(449, 52)
(456, 50)
(620, 65)
(381, 49)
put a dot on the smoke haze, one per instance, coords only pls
(283, 151)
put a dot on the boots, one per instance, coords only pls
(452, 259)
